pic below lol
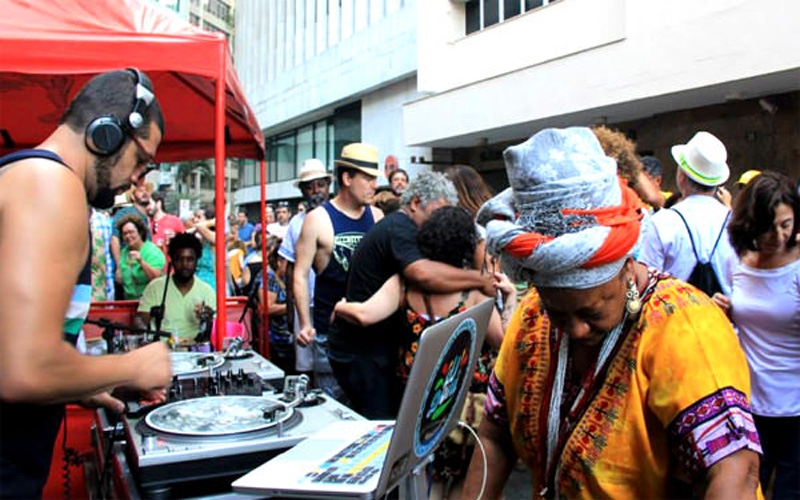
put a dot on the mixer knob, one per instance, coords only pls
(149, 442)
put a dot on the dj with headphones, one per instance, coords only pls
(104, 143)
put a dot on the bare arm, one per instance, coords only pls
(274, 308)
(38, 271)
(290, 295)
(735, 477)
(500, 458)
(305, 252)
(205, 229)
(437, 277)
(380, 306)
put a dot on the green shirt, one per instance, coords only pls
(179, 310)
(133, 278)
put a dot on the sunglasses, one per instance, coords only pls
(145, 158)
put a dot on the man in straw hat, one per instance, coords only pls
(327, 241)
(314, 182)
(675, 246)
(613, 380)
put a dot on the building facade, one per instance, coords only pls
(323, 73)
(438, 82)
(496, 71)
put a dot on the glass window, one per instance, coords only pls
(321, 141)
(532, 4)
(286, 158)
(491, 12)
(473, 16)
(305, 143)
(511, 8)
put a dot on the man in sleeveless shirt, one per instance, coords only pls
(103, 143)
(327, 241)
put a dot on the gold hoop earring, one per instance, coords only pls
(633, 302)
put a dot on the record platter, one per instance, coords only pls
(218, 423)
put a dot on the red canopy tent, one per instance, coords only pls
(49, 49)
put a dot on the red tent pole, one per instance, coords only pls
(264, 323)
(219, 189)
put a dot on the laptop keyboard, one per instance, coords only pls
(358, 462)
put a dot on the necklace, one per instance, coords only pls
(557, 429)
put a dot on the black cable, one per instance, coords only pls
(157, 312)
(70, 458)
(105, 468)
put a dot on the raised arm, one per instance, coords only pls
(380, 306)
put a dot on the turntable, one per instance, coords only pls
(220, 421)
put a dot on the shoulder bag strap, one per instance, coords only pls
(694, 250)
(719, 236)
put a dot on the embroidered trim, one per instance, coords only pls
(711, 429)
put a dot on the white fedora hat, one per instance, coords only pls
(703, 159)
(312, 169)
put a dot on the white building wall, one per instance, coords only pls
(579, 61)
(298, 60)
(355, 52)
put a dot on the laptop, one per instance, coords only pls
(367, 458)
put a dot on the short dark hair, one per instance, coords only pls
(181, 241)
(449, 235)
(341, 170)
(754, 210)
(652, 166)
(136, 221)
(112, 94)
(156, 196)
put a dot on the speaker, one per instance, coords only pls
(105, 135)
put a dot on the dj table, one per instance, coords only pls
(222, 418)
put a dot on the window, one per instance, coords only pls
(287, 151)
(480, 14)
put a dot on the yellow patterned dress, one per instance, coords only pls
(672, 400)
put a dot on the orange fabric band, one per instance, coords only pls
(623, 219)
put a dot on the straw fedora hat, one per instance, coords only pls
(312, 169)
(703, 159)
(360, 156)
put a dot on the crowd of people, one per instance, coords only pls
(637, 351)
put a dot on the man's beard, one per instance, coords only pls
(104, 194)
(316, 200)
(182, 278)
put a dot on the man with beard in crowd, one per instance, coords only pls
(187, 299)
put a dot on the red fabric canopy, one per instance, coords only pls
(49, 49)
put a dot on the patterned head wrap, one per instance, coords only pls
(568, 220)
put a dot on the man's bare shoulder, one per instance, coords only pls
(41, 180)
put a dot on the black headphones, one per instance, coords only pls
(106, 134)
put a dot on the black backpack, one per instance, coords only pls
(703, 276)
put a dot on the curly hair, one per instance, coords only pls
(617, 146)
(429, 187)
(471, 189)
(754, 210)
(181, 241)
(448, 236)
(136, 221)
